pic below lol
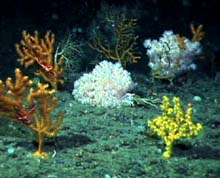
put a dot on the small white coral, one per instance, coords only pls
(107, 86)
(167, 59)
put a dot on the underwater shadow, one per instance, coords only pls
(59, 143)
(199, 152)
(77, 140)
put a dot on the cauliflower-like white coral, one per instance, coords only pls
(167, 59)
(107, 86)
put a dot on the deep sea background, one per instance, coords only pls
(61, 16)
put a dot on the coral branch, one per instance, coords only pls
(198, 33)
(12, 96)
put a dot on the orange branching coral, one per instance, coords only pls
(198, 33)
(181, 40)
(42, 119)
(15, 99)
(12, 97)
(35, 50)
(124, 48)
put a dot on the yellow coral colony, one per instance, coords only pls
(40, 51)
(174, 124)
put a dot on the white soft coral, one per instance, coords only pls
(167, 59)
(107, 86)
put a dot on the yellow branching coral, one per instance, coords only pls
(124, 47)
(42, 119)
(174, 124)
(40, 51)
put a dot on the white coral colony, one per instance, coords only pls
(166, 57)
(107, 86)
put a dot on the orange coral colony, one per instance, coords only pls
(40, 51)
(43, 123)
(33, 107)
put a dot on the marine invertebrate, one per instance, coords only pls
(118, 43)
(174, 124)
(107, 86)
(20, 102)
(40, 51)
(43, 123)
(173, 54)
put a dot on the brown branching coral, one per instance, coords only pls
(40, 51)
(124, 47)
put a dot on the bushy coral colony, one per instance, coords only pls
(37, 51)
(108, 85)
(172, 55)
(20, 102)
(174, 124)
